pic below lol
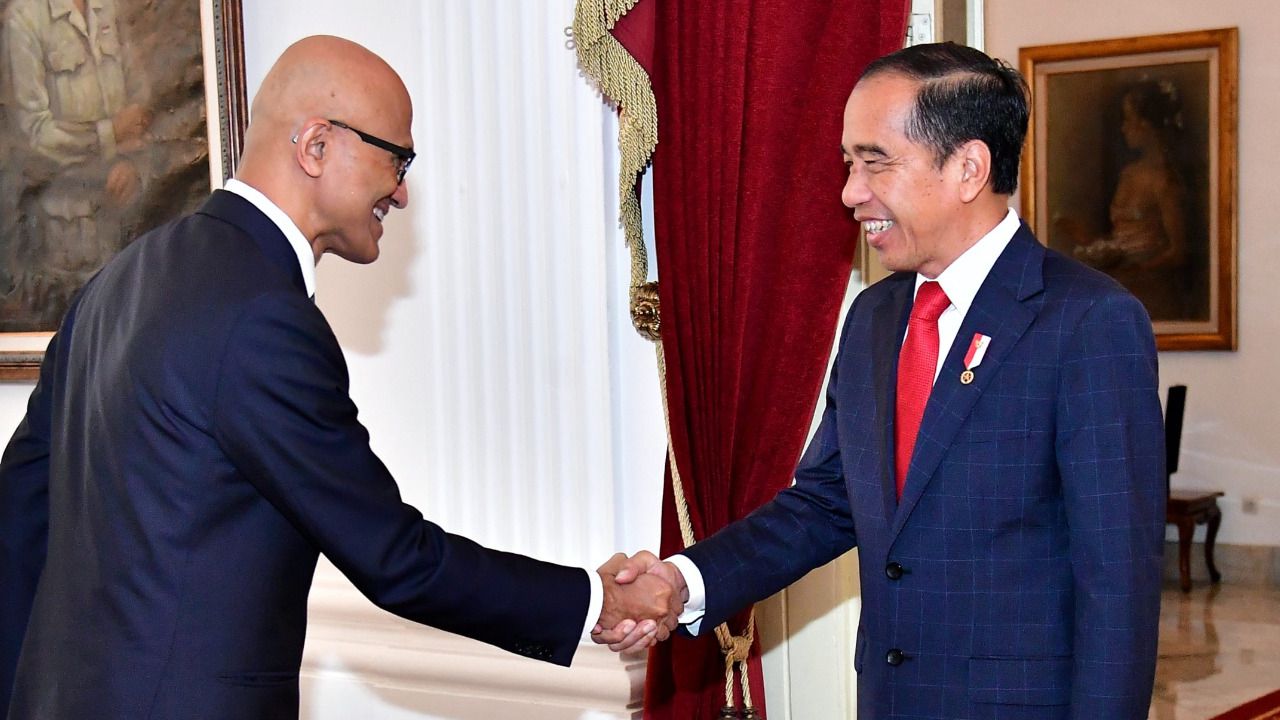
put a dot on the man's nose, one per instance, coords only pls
(855, 191)
(400, 198)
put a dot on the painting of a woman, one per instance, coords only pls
(1130, 167)
(1146, 247)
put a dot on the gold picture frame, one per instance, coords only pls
(1130, 166)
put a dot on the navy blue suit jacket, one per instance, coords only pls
(1019, 576)
(188, 451)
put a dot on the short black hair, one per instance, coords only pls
(964, 95)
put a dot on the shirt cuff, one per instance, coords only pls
(595, 605)
(696, 606)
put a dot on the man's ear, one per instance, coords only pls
(974, 158)
(309, 146)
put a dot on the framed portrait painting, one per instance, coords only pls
(1130, 167)
(115, 117)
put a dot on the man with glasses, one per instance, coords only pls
(191, 448)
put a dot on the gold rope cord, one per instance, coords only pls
(735, 648)
(622, 81)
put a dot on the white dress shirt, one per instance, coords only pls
(307, 263)
(961, 281)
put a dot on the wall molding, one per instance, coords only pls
(350, 639)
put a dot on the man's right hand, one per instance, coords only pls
(642, 572)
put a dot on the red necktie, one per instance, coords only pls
(917, 364)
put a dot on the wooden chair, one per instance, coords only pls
(1187, 508)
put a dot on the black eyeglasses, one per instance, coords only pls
(404, 156)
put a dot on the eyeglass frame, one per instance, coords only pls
(402, 153)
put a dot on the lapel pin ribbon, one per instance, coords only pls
(977, 349)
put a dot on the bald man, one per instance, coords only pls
(191, 448)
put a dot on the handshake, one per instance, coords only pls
(643, 597)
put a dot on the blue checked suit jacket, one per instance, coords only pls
(188, 452)
(1019, 576)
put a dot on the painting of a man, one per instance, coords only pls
(104, 128)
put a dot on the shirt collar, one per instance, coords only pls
(58, 8)
(962, 279)
(306, 256)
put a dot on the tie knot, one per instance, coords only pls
(931, 301)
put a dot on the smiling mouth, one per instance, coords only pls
(379, 213)
(875, 227)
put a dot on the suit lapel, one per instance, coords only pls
(999, 310)
(888, 323)
(271, 241)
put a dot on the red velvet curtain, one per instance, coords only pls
(754, 249)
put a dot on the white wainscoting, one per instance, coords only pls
(362, 662)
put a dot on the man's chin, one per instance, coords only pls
(360, 256)
(366, 258)
(889, 261)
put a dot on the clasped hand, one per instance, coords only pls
(643, 597)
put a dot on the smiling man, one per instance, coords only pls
(992, 440)
(191, 448)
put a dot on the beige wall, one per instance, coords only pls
(1232, 437)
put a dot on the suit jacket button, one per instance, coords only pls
(895, 657)
(894, 571)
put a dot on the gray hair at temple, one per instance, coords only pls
(964, 95)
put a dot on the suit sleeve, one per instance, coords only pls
(805, 526)
(1110, 449)
(24, 519)
(284, 417)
